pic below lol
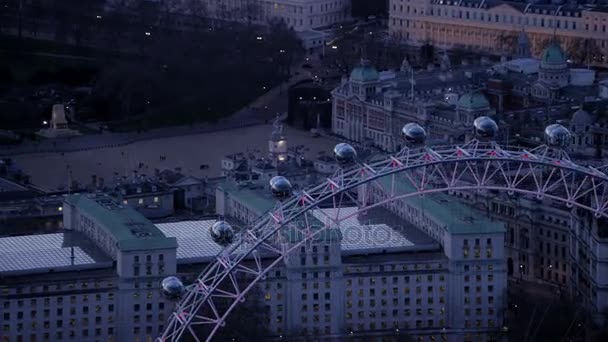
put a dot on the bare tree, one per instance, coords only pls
(507, 42)
(583, 50)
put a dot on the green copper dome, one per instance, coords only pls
(473, 101)
(554, 54)
(365, 72)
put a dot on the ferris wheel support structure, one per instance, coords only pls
(545, 172)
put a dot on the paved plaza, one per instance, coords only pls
(51, 170)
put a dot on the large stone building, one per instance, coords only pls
(589, 127)
(492, 26)
(302, 15)
(372, 105)
(306, 17)
(96, 280)
(446, 280)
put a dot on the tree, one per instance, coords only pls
(583, 50)
(189, 72)
(507, 42)
(115, 23)
(289, 46)
(253, 11)
(348, 51)
(541, 43)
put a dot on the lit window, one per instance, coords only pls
(155, 199)
(141, 201)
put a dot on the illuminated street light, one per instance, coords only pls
(259, 38)
(148, 33)
(334, 47)
(98, 17)
(282, 51)
(45, 122)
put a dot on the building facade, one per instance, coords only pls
(446, 281)
(151, 198)
(302, 15)
(492, 26)
(373, 106)
(97, 281)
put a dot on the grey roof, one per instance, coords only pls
(603, 9)
(582, 117)
(263, 165)
(130, 229)
(7, 185)
(193, 240)
(357, 237)
(456, 217)
(145, 187)
(256, 199)
(40, 253)
(170, 176)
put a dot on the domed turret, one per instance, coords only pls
(365, 72)
(280, 187)
(553, 55)
(581, 118)
(345, 153)
(413, 134)
(523, 45)
(445, 64)
(473, 101)
(485, 127)
(472, 105)
(172, 288)
(554, 66)
(405, 66)
(557, 135)
(222, 233)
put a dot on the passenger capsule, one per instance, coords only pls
(485, 127)
(557, 135)
(345, 153)
(280, 187)
(222, 233)
(172, 288)
(413, 134)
